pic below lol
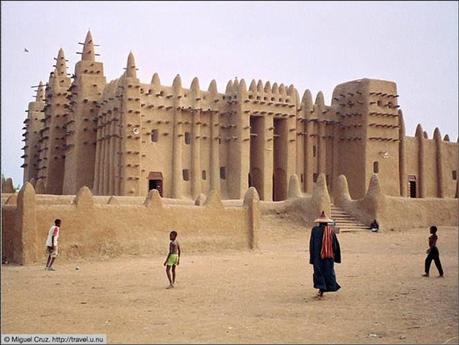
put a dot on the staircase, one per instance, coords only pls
(345, 222)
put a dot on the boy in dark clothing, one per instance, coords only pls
(433, 253)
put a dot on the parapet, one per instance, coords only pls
(7, 185)
(113, 227)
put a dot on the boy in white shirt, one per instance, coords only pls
(51, 244)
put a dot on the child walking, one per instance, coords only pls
(433, 253)
(173, 258)
(51, 244)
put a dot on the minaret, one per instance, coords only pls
(319, 107)
(86, 91)
(88, 49)
(421, 173)
(439, 162)
(131, 70)
(402, 155)
(52, 156)
(369, 134)
(33, 124)
(177, 139)
(309, 159)
(130, 131)
(238, 149)
(107, 166)
(195, 100)
(214, 136)
(40, 96)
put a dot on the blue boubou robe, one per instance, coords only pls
(324, 273)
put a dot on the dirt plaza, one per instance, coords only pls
(261, 296)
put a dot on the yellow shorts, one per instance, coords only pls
(173, 260)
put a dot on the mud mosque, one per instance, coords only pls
(125, 137)
(102, 156)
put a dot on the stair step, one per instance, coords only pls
(346, 218)
(343, 215)
(351, 225)
(345, 222)
(352, 230)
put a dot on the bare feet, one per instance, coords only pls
(170, 286)
(319, 295)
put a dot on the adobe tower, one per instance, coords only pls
(81, 126)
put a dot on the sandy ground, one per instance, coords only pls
(265, 296)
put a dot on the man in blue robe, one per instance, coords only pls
(324, 251)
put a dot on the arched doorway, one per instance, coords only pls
(155, 181)
(412, 186)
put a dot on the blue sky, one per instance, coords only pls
(312, 45)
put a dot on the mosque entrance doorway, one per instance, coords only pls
(155, 181)
(412, 186)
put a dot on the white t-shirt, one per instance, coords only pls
(53, 231)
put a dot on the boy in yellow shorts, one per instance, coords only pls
(173, 258)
